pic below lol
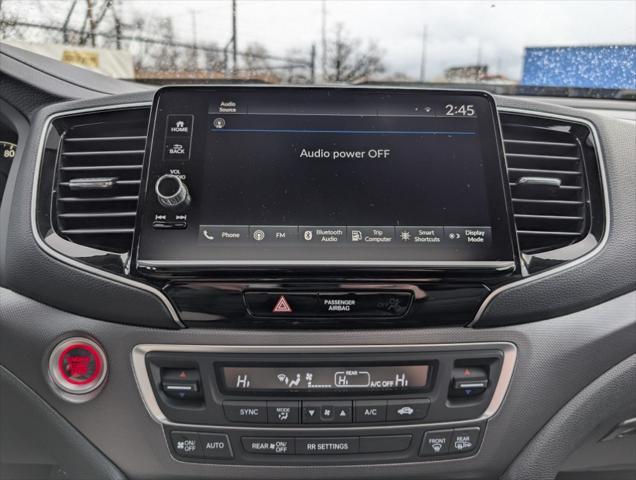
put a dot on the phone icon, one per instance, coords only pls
(208, 235)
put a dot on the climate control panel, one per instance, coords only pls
(339, 404)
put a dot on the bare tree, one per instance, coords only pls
(348, 60)
(255, 58)
(167, 57)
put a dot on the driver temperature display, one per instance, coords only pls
(326, 378)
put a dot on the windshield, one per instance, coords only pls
(566, 48)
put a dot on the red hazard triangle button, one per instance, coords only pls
(282, 306)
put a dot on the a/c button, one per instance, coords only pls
(370, 411)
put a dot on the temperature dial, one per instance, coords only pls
(171, 191)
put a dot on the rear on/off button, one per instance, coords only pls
(269, 445)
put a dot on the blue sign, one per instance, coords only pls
(611, 66)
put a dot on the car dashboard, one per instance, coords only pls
(236, 281)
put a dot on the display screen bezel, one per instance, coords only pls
(496, 183)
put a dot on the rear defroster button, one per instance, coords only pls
(78, 366)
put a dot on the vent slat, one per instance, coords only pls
(94, 231)
(97, 215)
(106, 139)
(548, 217)
(100, 153)
(95, 146)
(548, 233)
(549, 214)
(546, 157)
(550, 202)
(561, 187)
(539, 170)
(538, 143)
(83, 168)
(118, 182)
(128, 198)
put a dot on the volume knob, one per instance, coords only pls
(171, 191)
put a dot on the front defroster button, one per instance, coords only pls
(436, 442)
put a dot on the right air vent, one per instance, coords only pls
(548, 181)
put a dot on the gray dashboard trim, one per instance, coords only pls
(142, 379)
(576, 261)
(63, 258)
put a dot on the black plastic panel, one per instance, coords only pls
(222, 303)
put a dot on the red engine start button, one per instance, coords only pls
(77, 365)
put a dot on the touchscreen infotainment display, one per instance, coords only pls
(286, 176)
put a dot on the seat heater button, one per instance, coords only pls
(464, 439)
(186, 444)
(327, 446)
(407, 410)
(246, 412)
(269, 445)
(385, 443)
(436, 442)
(215, 445)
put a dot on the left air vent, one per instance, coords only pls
(98, 178)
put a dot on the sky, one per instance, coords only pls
(458, 32)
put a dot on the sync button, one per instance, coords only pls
(245, 412)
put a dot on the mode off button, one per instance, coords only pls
(327, 446)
